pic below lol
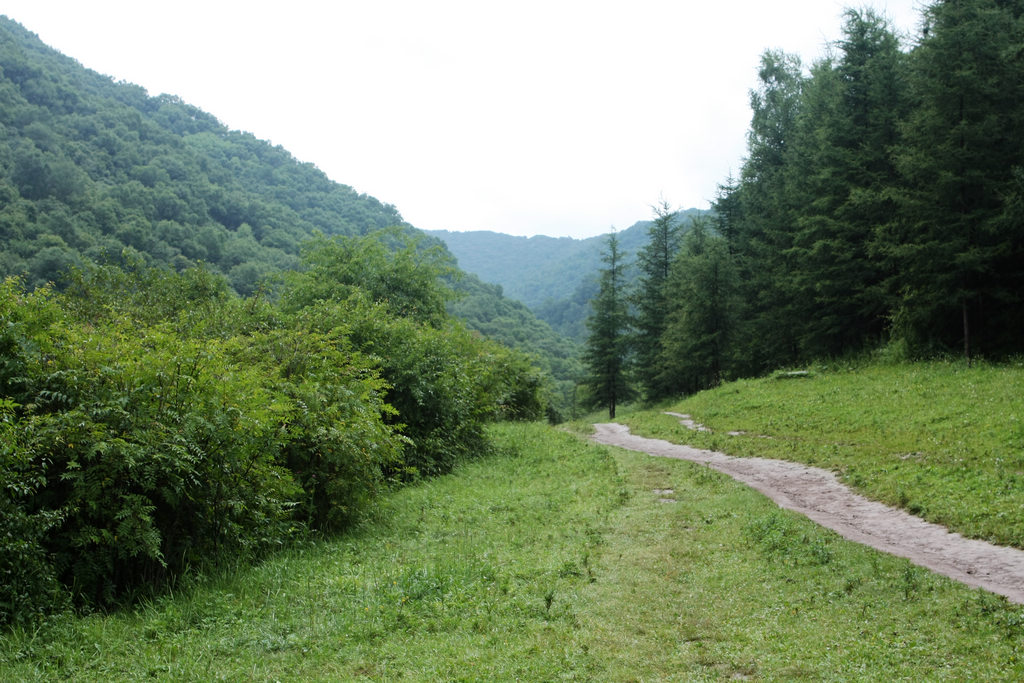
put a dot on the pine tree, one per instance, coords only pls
(955, 254)
(763, 235)
(654, 262)
(696, 347)
(727, 212)
(840, 174)
(605, 355)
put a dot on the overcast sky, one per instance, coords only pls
(524, 117)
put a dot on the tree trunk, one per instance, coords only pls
(967, 335)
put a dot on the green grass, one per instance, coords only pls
(554, 562)
(941, 440)
(459, 577)
(722, 584)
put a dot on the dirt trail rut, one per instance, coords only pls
(819, 495)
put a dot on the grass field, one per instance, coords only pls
(558, 560)
(943, 441)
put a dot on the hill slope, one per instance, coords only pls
(532, 269)
(89, 167)
(93, 170)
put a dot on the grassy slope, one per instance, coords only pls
(944, 441)
(558, 562)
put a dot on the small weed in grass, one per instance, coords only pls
(780, 536)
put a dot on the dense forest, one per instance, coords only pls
(879, 208)
(90, 168)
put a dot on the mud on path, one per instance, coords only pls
(817, 494)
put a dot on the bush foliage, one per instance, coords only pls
(154, 422)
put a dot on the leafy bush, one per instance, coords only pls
(155, 422)
(156, 450)
(444, 381)
(28, 581)
(330, 404)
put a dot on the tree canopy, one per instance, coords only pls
(879, 200)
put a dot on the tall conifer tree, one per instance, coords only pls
(654, 262)
(696, 348)
(841, 172)
(764, 234)
(606, 353)
(956, 248)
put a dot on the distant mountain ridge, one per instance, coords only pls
(554, 276)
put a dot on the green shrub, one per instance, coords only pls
(154, 422)
(444, 382)
(159, 452)
(28, 580)
(133, 452)
(329, 400)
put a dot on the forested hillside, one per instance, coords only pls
(536, 269)
(880, 208)
(97, 171)
(89, 167)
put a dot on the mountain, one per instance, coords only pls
(554, 276)
(93, 170)
(90, 167)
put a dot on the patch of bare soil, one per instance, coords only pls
(817, 494)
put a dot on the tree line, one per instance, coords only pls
(154, 423)
(879, 207)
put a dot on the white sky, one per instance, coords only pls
(554, 117)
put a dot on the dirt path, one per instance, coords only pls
(819, 495)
